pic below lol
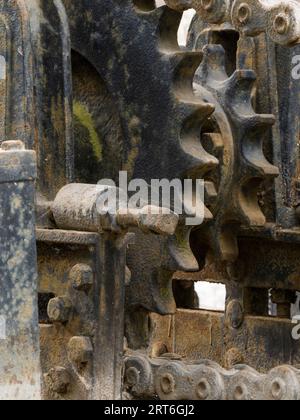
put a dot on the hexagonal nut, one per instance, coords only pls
(80, 351)
(82, 277)
(59, 309)
(58, 380)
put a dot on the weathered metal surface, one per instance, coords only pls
(52, 97)
(144, 105)
(82, 292)
(77, 206)
(36, 86)
(84, 328)
(128, 139)
(263, 342)
(81, 332)
(17, 75)
(19, 338)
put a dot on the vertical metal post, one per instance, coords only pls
(19, 329)
(109, 340)
(4, 47)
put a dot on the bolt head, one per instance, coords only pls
(234, 314)
(59, 309)
(80, 351)
(82, 277)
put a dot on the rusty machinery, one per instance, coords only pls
(99, 87)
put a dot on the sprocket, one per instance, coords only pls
(235, 135)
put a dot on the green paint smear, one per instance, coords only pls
(86, 119)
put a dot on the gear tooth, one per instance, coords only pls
(271, 171)
(257, 121)
(238, 88)
(194, 160)
(225, 242)
(246, 77)
(208, 216)
(213, 142)
(181, 252)
(155, 17)
(212, 68)
(185, 66)
(249, 209)
(169, 23)
(197, 159)
(252, 146)
(259, 167)
(247, 203)
(211, 194)
(194, 112)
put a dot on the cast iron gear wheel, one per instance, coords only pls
(238, 143)
(133, 46)
(236, 137)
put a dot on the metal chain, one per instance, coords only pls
(205, 380)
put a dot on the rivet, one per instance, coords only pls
(82, 277)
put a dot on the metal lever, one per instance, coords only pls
(82, 207)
